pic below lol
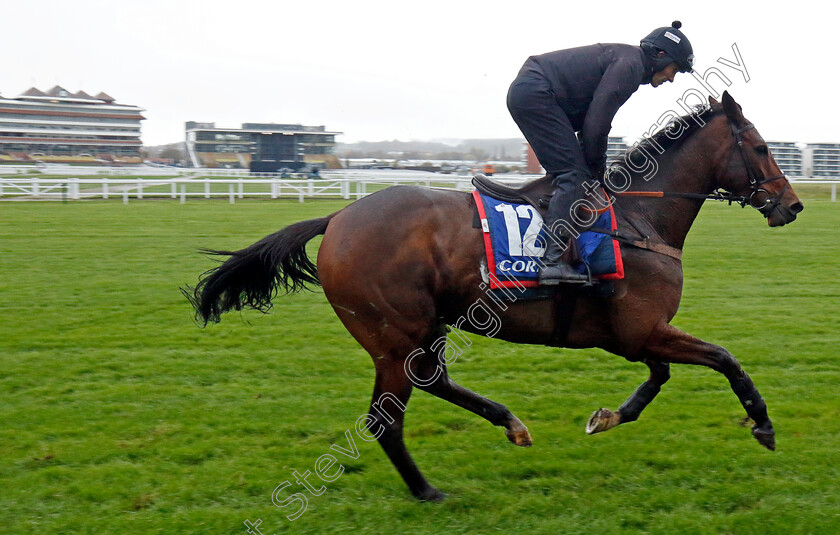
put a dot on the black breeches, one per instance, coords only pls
(548, 130)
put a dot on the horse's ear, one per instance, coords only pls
(713, 101)
(732, 109)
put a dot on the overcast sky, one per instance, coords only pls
(378, 70)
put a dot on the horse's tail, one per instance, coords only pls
(250, 277)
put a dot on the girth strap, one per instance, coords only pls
(660, 248)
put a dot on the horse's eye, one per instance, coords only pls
(762, 149)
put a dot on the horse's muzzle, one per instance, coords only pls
(782, 215)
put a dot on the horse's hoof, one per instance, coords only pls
(765, 436)
(430, 494)
(520, 437)
(601, 420)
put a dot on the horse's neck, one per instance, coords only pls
(684, 171)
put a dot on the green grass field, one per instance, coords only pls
(119, 415)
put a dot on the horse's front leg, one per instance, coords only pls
(604, 419)
(669, 344)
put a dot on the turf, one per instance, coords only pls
(119, 415)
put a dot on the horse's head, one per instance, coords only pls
(751, 171)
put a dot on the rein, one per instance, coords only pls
(754, 199)
(717, 195)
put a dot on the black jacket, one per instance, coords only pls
(591, 83)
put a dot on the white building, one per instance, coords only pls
(788, 156)
(822, 160)
(616, 147)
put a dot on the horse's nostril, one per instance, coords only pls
(796, 207)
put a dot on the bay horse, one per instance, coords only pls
(403, 265)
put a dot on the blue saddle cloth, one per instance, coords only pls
(515, 241)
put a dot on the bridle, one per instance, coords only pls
(758, 192)
(759, 198)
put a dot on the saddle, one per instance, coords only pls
(536, 192)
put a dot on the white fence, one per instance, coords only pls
(823, 181)
(355, 185)
(143, 170)
(206, 187)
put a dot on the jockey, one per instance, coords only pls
(564, 103)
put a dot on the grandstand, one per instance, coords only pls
(63, 127)
(260, 147)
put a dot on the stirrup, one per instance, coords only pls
(565, 275)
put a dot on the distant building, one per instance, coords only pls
(788, 156)
(532, 164)
(823, 159)
(616, 147)
(260, 147)
(59, 126)
(615, 152)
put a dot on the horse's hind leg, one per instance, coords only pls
(389, 337)
(385, 421)
(428, 372)
(604, 419)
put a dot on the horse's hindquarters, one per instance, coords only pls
(388, 261)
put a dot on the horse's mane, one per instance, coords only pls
(662, 141)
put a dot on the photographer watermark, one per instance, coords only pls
(483, 315)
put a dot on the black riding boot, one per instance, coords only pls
(567, 189)
(556, 271)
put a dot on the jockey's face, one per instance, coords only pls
(665, 75)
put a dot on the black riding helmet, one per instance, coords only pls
(673, 43)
